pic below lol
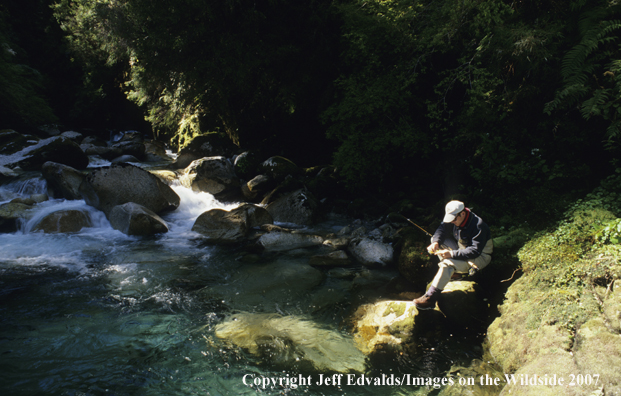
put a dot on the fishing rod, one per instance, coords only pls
(401, 217)
(394, 216)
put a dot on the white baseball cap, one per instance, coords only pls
(451, 210)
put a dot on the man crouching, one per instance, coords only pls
(469, 246)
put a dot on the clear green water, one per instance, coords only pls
(101, 313)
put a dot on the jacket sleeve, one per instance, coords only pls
(475, 238)
(442, 231)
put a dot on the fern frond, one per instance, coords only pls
(593, 105)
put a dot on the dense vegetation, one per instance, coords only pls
(512, 105)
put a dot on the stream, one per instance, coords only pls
(99, 312)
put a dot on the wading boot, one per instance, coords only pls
(428, 300)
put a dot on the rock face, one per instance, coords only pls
(63, 180)
(56, 149)
(107, 187)
(63, 221)
(292, 341)
(220, 226)
(133, 219)
(298, 207)
(370, 252)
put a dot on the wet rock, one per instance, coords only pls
(133, 219)
(371, 253)
(384, 325)
(94, 141)
(472, 374)
(298, 207)
(221, 226)
(63, 180)
(211, 145)
(11, 214)
(63, 221)
(291, 341)
(214, 175)
(107, 187)
(285, 240)
(56, 149)
(6, 174)
(334, 259)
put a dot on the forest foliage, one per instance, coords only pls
(416, 98)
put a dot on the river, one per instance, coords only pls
(101, 313)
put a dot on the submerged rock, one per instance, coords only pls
(292, 341)
(63, 221)
(133, 219)
(277, 284)
(107, 187)
(370, 252)
(334, 259)
(384, 325)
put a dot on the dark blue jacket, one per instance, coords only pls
(473, 234)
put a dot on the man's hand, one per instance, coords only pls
(433, 248)
(444, 254)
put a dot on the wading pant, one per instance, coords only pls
(449, 266)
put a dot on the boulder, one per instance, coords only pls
(210, 145)
(133, 219)
(298, 207)
(286, 240)
(107, 187)
(334, 259)
(155, 151)
(56, 149)
(63, 221)
(6, 174)
(257, 186)
(214, 175)
(386, 325)
(370, 252)
(278, 168)
(246, 165)
(11, 214)
(63, 180)
(292, 341)
(94, 141)
(221, 226)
